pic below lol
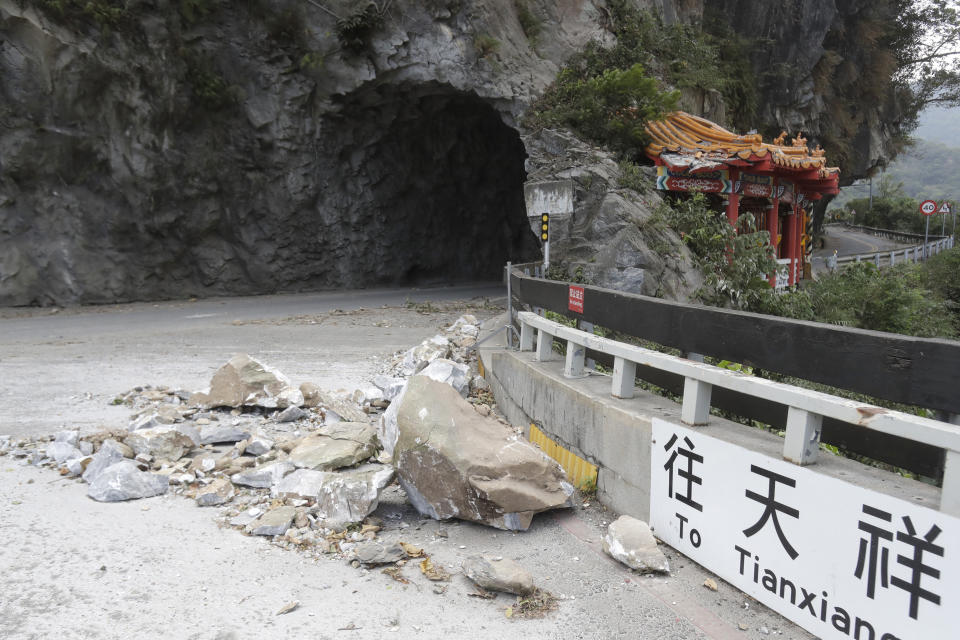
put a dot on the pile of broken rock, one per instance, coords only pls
(309, 467)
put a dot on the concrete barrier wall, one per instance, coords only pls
(615, 434)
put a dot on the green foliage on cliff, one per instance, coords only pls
(734, 261)
(106, 14)
(606, 94)
(609, 108)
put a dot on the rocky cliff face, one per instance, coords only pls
(156, 149)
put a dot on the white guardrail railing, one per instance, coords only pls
(909, 254)
(806, 408)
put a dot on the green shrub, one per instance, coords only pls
(631, 177)
(355, 30)
(530, 23)
(610, 108)
(485, 44)
(941, 274)
(735, 262)
(891, 299)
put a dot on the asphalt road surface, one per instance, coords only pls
(849, 243)
(163, 568)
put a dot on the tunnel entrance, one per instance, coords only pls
(430, 180)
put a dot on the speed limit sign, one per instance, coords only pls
(928, 207)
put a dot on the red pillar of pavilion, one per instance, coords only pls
(733, 200)
(789, 244)
(773, 228)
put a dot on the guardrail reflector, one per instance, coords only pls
(581, 473)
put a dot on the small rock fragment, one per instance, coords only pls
(273, 523)
(504, 575)
(124, 481)
(710, 583)
(216, 493)
(373, 552)
(630, 541)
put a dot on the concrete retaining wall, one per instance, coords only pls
(615, 434)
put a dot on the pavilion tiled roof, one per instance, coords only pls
(695, 143)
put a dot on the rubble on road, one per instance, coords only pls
(343, 444)
(630, 541)
(246, 382)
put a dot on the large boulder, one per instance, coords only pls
(342, 444)
(110, 453)
(246, 382)
(334, 409)
(125, 481)
(455, 463)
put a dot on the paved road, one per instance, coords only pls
(73, 568)
(849, 243)
(63, 369)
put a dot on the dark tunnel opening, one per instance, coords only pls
(433, 180)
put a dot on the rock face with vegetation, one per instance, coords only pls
(155, 149)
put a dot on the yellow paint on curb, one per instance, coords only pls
(581, 473)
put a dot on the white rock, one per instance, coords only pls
(124, 481)
(425, 352)
(264, 476)
(245, 518)
(160, 442)
(62, 452)
(449, 372)
(216, 493)
(70, 437)
(273, 523)
(109, 454)
(391, 387)
(259, 445)
(630, 541)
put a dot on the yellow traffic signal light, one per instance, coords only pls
(545, 227)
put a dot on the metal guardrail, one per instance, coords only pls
(905, 236)
(903, 369)
(806, 409)
(916, 253)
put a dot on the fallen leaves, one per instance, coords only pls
(432, 571)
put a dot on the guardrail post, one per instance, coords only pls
(695, 410)
(573, 367)
(876, 259)
(624, 376)
(526, 337)
(802, 441)
(858, 258)
(544, 346)
(893, 259)
(950, 493)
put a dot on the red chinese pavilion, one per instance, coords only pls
(774, 181)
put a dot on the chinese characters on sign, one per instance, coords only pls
(575, 301)
(839, 560)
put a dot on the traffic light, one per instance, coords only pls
(545, 227)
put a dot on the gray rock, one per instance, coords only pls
(341, 497)
(109, 454)
(77, 466)
(449, 372)
(86, 448)
(424, 353)
(191, 432)
(292, 414)
(216, 493)
(273, 523)
(124, 481)
(259, 445)
(479, 383)
(264, 476)
(219, 432)
(453, 462)
(71, 437)
(373, 552)
(244, 381)
(498, 575)
(391, 387)
(630, 541)
(62, 452)
(342, 444)
(160, 442)
(246, 517)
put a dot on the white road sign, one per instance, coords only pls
(839, 560)
(944, 208)
(928, 207)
